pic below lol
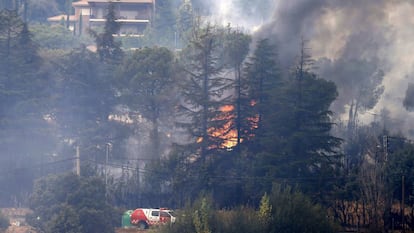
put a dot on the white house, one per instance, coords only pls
(134, 15)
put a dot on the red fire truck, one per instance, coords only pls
(144, 218)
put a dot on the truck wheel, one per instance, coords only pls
(142, 225)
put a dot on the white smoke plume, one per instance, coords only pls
(243, 14)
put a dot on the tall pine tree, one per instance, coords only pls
(203, 96)
(109, 49)
(203, 90)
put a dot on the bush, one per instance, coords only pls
(292, 211)
(285, 210)
(242, 219)
(69, 203)
(201, 218)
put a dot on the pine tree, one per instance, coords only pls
(203, 91)
(10, 27)
(263, 82)
(293, 139)
(148, 89)
(22, 97)
(164, 24)
(237, 48)
(302, 144)
(82, 103)
(109, 49)
(203, 95)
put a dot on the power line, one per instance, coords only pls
(162, 174)
(40, 165)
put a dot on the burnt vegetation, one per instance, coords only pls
(204, 118)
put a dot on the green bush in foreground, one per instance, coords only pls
(285, 210)
(292, 211)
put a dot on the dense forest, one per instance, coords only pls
(211, 120)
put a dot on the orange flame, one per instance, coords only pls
(226, 132)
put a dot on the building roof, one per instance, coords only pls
(80, 3)
(86, 2)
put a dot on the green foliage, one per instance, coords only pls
(236, 50)
(66, 220)
(164, 25)
(201, 217)
(263, 77)
(293, 138)
(19, 67)
(148, 88)
(241, 219)
(56, 37)
(107, 48)
(68, 203)
(284, 210)
(203, 88)
(294, 212)
(237, 46)
(146, 78)
(40, 10)
(11, 27)
(22, 96)
(401, 163)
(7, 4)
(265, 211)
(83, 97)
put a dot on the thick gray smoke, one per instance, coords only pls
(365, 47)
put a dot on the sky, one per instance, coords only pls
(352, 42)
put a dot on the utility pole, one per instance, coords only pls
(106, 168)
(77, 161)
(106, 164)
(385, 146)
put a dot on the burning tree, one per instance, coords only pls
(203, 89)
(237, 48)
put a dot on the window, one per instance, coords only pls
(165, 214)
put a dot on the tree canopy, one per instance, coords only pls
(68, 203)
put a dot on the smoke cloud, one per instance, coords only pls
(357, 44)
(245, 14)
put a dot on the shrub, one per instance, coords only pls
(292, 211)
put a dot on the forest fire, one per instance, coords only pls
(227, 132)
